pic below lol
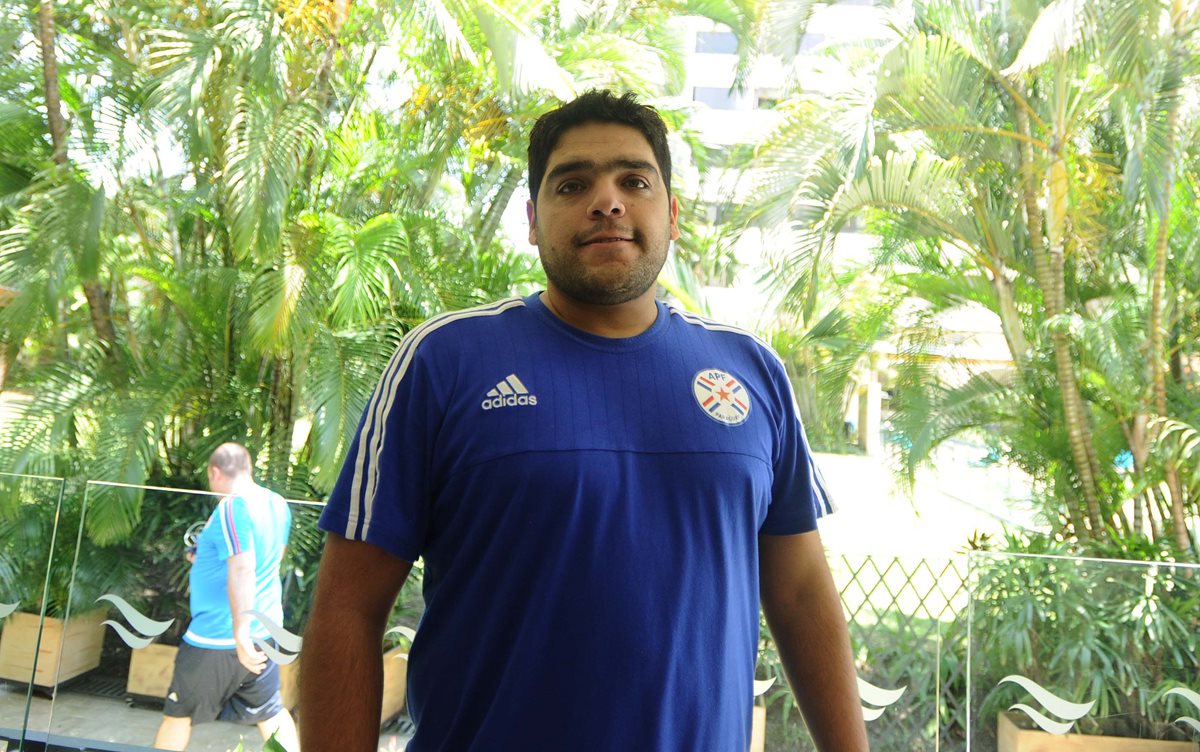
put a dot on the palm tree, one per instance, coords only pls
(1158, 79)
(982, 151)
(282, 213)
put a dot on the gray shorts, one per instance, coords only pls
(213, 685)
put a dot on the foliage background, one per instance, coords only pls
(217, 220)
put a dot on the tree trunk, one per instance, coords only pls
(280, 430)
(97, 298)
(1135, 436)
(1156, 339)
(1076, 517)
(491, 219)
(1049, 267)
(54, 118)
(1010, 318)
(1155, 530)
(101, 313)
(1079, 433)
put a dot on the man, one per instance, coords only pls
(219, 672)
(599, 486)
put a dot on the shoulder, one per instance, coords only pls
(740, 340)
(233, 507)
(435, 348)
(443, 340)
(453, 328)
(231, 514)
(281, 505)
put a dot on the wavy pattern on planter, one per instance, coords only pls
(1069, 711)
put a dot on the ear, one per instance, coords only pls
(531, 214)
(674, 218)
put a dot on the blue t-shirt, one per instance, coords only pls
(259, 521)
(588, 510)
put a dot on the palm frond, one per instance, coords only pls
(929, 85)
(938, 413)
(1063, 26)
(441, 20)
(774, 26)
(1179, 442)
(923, 185)
(183, 63)
(613, 60)
(276, 318)
(266, 152)
(523, 64)
(341, 372)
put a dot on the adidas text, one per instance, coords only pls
(511, 400)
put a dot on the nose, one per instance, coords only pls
(606, 203)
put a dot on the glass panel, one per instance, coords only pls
(901, 613)
(1073, 647)
(29, 510)
(130, 607)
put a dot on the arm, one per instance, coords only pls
(341, 674)
(804, 612)
(239, 584)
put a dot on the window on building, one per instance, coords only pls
(716, 97)
(716, 42)
(766, 99)
(810, 42)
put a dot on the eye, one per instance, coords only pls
(569, 186)
(637, 182)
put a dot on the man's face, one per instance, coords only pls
(217, 481)
(603, 221)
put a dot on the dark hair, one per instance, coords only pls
(231, 459)
(596, 106)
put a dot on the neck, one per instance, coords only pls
(615, 321)
(240, 486)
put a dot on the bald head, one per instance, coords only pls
(233, 460)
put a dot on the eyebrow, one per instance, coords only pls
(587, 165)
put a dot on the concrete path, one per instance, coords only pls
(113, 720)
(948, 505)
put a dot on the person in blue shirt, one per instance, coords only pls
(602, 488)
(219, 671)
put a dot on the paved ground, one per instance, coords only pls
(113, 720)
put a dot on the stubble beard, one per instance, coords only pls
(583, 285)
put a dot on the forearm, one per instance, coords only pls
(341, 669)
(804, 613)
(821, 674)
(240, 588)
(341, 677)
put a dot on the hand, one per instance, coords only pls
(250, 656)
(189, 553)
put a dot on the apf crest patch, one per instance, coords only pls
(721, 397)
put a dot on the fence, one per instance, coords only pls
(952, 652)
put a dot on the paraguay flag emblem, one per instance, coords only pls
(721, 397)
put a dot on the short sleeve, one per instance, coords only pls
(286, 522)
(383, 495)
(236, 527)
(798, 493)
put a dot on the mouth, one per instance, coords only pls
(607, 238)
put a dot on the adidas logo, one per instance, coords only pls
(508, 393)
